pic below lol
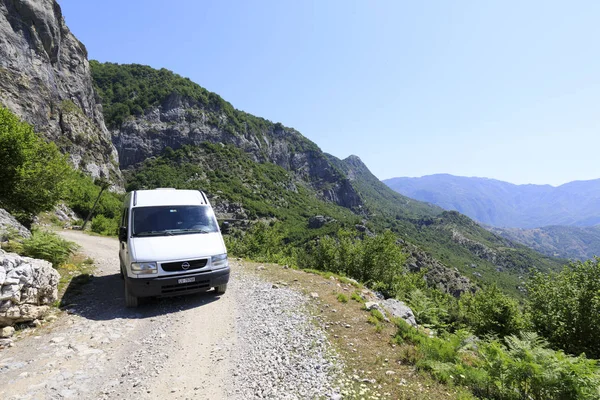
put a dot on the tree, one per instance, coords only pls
(565, 307)
(489, 311)
(33, 173)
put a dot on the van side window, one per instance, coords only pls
(125, 217)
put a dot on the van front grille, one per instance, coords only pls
(181, 265)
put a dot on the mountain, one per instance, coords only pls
(571, 242)
(148, 110)
(45, 79)
(156, 128)
(502, 204)
(169, 131)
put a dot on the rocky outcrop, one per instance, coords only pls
(27, 287)
(478, 249)
(438, 275)
(180, 121)
(398, 309)
(9, 226)
(318, 221)
(65, 215)
(45, 79)
(500, 259)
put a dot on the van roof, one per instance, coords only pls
(168, 197)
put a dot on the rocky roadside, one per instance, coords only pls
(282, 353)
(256, 341)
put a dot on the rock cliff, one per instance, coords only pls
(149, 110)
(45, 79)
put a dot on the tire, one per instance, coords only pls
(130, 301)
(221, 289)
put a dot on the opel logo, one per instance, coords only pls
(185, 265)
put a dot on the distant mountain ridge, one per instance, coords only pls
(503, 204)
(572, 242)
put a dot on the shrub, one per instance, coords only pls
(513, 369)
(490, 312)
(48, 246)
(105, 226)
(33, 173)
(426, 310)
(375, 259)
(82, 193)
(565, 307)
(525, 367)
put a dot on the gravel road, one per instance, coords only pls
(256, 341)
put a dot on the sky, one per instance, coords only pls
(500, 89)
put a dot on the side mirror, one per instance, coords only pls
(122, 234)
(225, 228)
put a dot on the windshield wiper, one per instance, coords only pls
(189, 231)
(154, 233)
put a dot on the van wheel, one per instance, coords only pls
(130, 301)
(221, 289)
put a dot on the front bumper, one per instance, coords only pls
(162, 286)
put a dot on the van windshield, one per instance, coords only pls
(172, 220)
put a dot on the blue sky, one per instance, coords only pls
(501, 89)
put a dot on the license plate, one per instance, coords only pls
(186, 280)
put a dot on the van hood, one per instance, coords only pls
(177, 247)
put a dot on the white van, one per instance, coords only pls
(170, 244)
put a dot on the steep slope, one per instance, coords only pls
(503, 204)
(149, 110)
(571, 242)
(242, 189)
(45, 79)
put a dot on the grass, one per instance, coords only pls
(342, 298)
(356, 297)
(366, 348)
(377, 314)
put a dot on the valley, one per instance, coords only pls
(556, 221)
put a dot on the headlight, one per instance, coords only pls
(219, 261)
(144, 268)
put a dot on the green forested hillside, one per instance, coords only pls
(450, 237)
(240, 186)
(265, 191)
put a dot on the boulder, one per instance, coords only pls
(7, 332)
(398, 309)
(27, 287)
(65, 214)
(316, 221)
(9, 226)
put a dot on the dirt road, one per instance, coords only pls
(193, 347)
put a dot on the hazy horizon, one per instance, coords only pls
(488, 178)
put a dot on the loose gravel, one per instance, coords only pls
(257, 341)
(281, 352)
